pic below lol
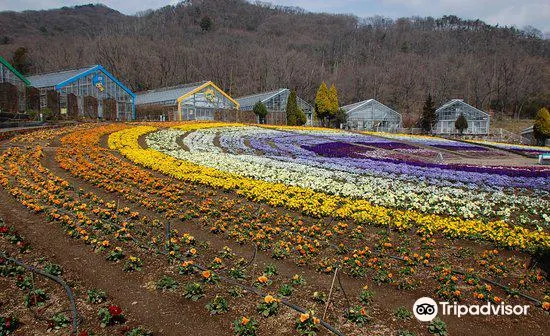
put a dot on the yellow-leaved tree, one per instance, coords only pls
(541, 128)
(322, 103)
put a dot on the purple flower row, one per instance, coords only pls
(349, 154)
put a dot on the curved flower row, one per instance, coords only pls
(320, 204)
(333, 179)
(526, 149)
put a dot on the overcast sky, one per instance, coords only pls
(503, 12)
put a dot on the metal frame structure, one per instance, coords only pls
(8, 74)
(478, 120)
(203, 101)
(94, 81)
(276, 101)
(195, 101)
(372, 115)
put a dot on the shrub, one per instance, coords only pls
(261, 111)
(461, 123)
(541, 128)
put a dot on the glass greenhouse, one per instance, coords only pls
(275, 101)
(194, 101)
(201, 102)
(372, 115)
(8, 74)
(93, 88)
(478, 121)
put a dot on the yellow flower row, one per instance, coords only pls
(319, 204)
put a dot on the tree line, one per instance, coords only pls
(248, 48)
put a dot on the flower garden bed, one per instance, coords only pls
(116, 209)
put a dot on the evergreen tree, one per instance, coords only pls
(461, 123)
(429, 117)
(322, 103)
(206, 23)
(294, 115)
(333, 99)
(21, 61)
(541, 128)
(261, 111)
(340, 118)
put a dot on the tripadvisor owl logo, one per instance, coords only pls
(425, 309)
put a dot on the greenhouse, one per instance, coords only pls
(90, 92)
(372, 115)
(275, 101)
(196, 101)
(11, 79)
(447, 114)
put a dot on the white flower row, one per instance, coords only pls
(378, 190)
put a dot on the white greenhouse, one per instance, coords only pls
(275, 101)
(448, 113)
(372, 115)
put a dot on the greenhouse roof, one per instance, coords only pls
(355, 106)
(63, 78)
(166, 93)
(459, 101)
(264, 96)
(15, 72)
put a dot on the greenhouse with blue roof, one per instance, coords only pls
(90, 92)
